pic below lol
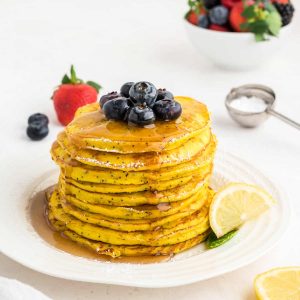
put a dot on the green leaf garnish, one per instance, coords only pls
(262, 19)
(274, 22)
(95, 85)
(260, 37)
(260, 27)
(249, 12)
(213, 242)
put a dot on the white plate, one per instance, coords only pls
(20, 242)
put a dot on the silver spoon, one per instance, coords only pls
(264, 98)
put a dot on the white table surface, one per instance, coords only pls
(130, 40)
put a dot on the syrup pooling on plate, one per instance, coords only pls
(39, 220)
(91, 129)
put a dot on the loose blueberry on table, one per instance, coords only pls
(140, 104)
(37, 127)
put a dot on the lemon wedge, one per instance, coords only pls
(235, 204)
(278, 284)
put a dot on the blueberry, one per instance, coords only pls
(38, 117)
(125, 89)
(163, 93)
(108, 97)
(37, 130)
(116, 109)
(203, 21)
(218, 15)
(142, 93)
(141, 115)
(167, 109)
(211, 3)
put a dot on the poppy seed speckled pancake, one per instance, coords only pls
(137, 161)
(140, 198)
(92, 130)
(125, 190)
(78, 171)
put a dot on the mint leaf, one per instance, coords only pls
(66, 79)
(274, 22)
(249, 12)
(259, 37)
(270, 7)
(213, 242)
(259, 26)
(244, 26)
(95, 85)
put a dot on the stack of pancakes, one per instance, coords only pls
(132, 191)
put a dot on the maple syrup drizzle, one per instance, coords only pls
(39, 220)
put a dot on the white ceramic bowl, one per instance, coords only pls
(234, 50)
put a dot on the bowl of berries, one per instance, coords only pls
(238, 34)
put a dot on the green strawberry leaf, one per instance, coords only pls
(73, 75)
(274, 22)
(191, 3)
(95, 85)
(213, 242)
(66, 79)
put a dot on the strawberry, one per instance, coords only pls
(192, 17)
(281, 1)
(230, 3)
(72, 94)
(218, 27)
(236, 19)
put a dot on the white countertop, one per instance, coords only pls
(117, 41)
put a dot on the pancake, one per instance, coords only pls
(78, 171)
(63, 211)
(128, 188)
(115, 251)
(133, 199)
(137, 161)
(192, 226)
(140, 212)
(92, 130)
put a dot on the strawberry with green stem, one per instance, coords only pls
(72, 94)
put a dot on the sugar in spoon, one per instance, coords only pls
(251, 104)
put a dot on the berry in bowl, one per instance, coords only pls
(237, 34)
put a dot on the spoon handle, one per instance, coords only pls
(284, 118)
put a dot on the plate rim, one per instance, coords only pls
(191, 279)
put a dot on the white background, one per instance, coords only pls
(130, 40)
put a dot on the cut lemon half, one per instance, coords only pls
(235, 204)
(278, 284)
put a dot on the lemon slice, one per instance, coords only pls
(278, 284)
(236, 203)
